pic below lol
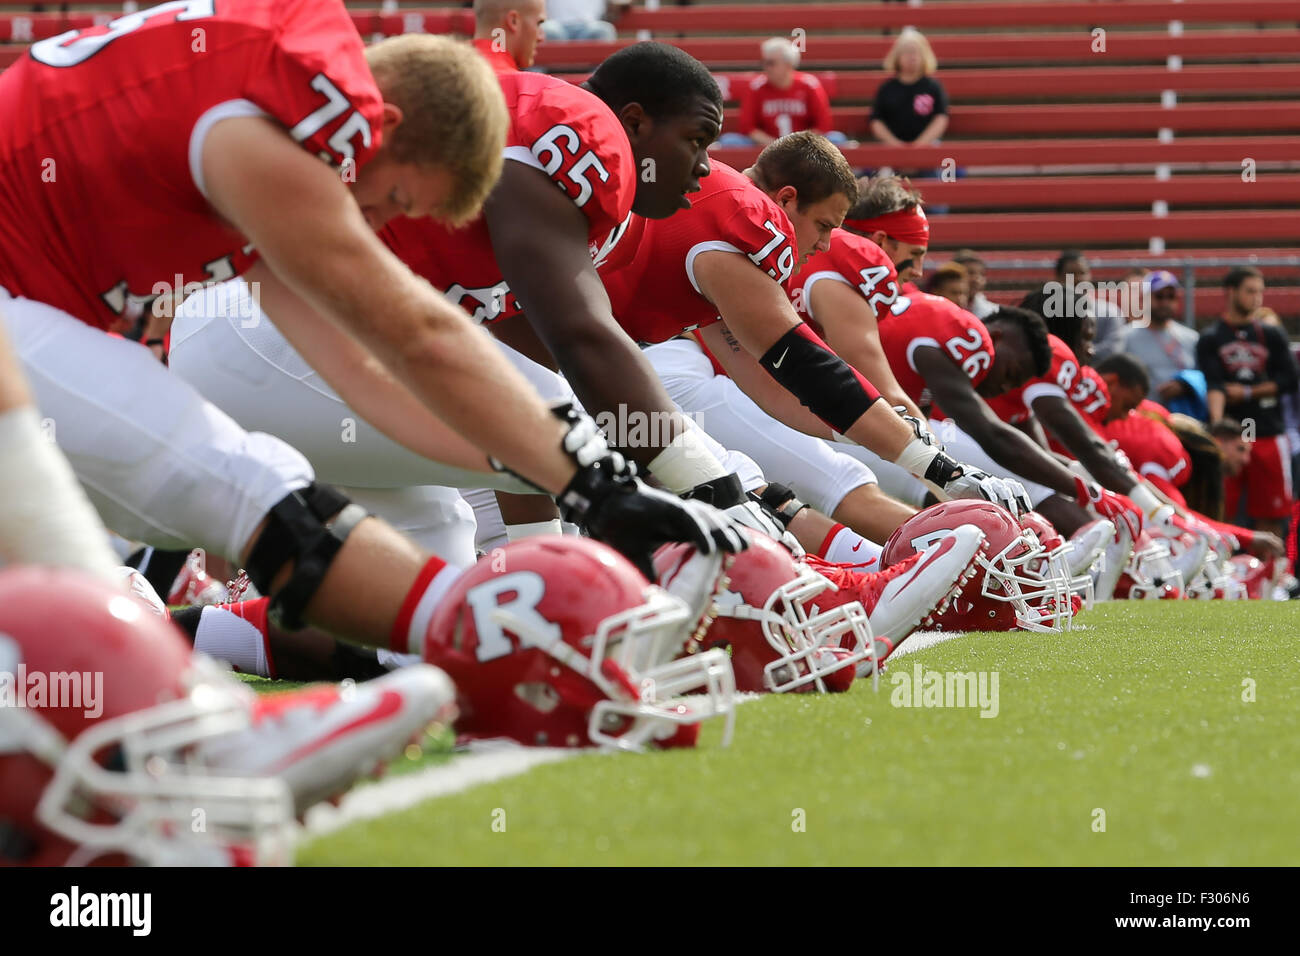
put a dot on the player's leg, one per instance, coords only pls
(231, 352)
(165, 467)
(1268, 484)
(436, 519)
(44, 515)
(502, 517)
(835, 485)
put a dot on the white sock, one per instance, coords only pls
(225, 635)
(849, 547)
(529, 529)
(393, 660)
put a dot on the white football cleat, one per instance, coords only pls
(907, 595)
(322, 739)
(1086, 545)
(1116, 555)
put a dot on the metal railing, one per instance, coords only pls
(1187, 266)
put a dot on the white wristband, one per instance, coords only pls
(1145, 498)
(45, 517)
(916, 457)
(687, 462)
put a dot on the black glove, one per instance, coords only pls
(727, 495)
(635, 519)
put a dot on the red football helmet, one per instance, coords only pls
(559, 641)
(1054, 563)
(1018, 587)
(1150, 574)
(101, 705)
(762, 616)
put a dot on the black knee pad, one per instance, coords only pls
(297, 531)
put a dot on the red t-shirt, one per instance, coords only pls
(853, 260)
(655, 296)
(931, 320)
(101, 135)
(804, 105)
(570, 135)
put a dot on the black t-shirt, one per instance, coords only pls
(1248, 355)
(908, 108)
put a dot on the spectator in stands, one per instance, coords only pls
(507, 31)
(1129, 309)
(583, 19)
(1163, 344)
(1290, 403)
(1248, 366)
(782, 100)
(911, 107)
(1074, 272)
(952, 282)
(976, 275)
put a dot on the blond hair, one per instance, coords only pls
(453, 114)
(911, 35)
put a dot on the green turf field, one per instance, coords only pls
(1140, 715)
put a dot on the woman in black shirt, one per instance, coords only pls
(911, 107)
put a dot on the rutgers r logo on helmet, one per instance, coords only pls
(572, 647)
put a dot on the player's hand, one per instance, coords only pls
(1110, 505)
(1267, 545)
(919, 428)
(1007, 492)
(585, 442)
(728, 495)
(635, 519)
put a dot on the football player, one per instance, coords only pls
(946, 358)
(210, 152)
(634, 138)
(723, 267)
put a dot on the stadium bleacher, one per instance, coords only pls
(1131, 128)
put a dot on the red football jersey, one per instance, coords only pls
(101, 136)
(1152, 448)
(853, 260)
(938, 322)
(570, 135)
(655, 296)
(804, 105)
(1065, 378)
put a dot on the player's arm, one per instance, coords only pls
(278, 195)
(1008, 446)
(760, 316)
(1061, 419)
(540, 240)
(764, 322)
(310, 232)
(1033, 429)
(850, 328)
(751, 378)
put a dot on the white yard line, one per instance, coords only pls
(400, 793)
(919, 642)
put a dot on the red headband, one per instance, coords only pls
(905, 225)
